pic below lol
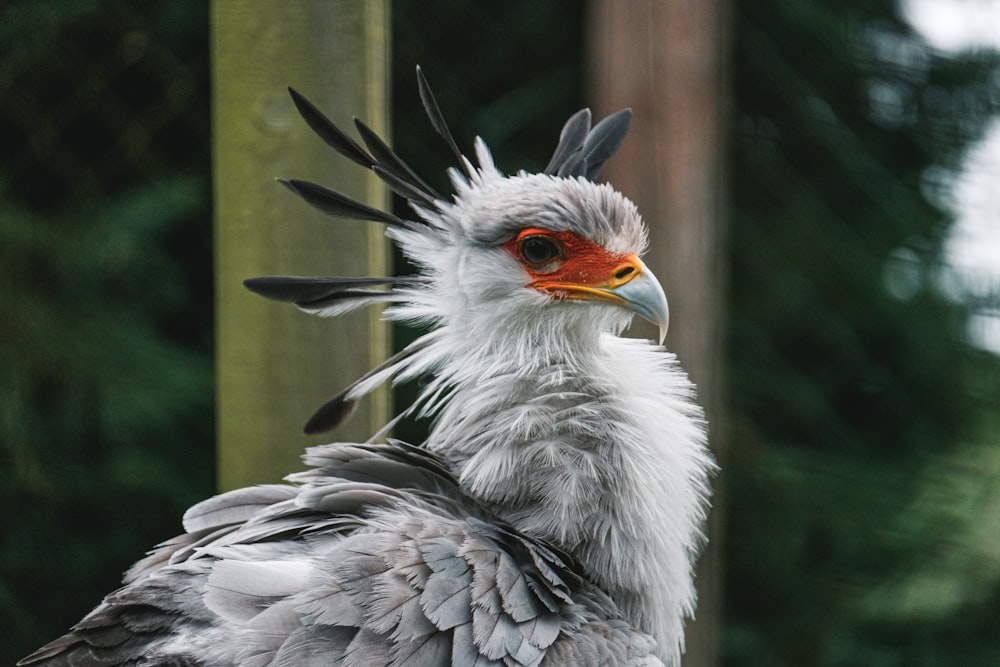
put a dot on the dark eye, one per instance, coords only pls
(539, 250)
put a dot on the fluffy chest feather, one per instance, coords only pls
(602, 455)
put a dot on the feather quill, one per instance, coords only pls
(437, 121)
(338, 205)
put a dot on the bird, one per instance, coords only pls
(556, 508)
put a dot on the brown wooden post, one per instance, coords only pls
(275, 365)
(667, 60)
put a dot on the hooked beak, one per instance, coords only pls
(632, 286)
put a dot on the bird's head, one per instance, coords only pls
(519, 264)
(535, 255)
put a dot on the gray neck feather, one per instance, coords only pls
(601, 454)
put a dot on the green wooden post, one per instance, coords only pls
(275, 365)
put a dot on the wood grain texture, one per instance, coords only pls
(275, 365)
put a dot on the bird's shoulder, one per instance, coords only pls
(373, 556)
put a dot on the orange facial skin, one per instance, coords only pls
(580, 270)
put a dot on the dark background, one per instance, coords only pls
(862, 491)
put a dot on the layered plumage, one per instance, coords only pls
(553, 515)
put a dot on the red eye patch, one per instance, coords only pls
(579, 261)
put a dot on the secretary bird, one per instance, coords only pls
(552, 516)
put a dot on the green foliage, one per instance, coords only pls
(106, 423)
(846, 394)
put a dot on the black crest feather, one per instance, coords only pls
(582, 151)
(390, 162)
(336, 204)
(319, 292)
(437, 118)
(330, 133)
(333, 413)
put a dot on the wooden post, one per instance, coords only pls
(667, 60)
(275, 365)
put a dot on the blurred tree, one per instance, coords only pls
(847, 385)
(105, 342)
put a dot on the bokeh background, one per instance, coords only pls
(862, 377)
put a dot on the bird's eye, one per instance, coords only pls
(539, 250)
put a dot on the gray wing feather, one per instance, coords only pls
(484, 581)
(388, 564)
(368, 649)
(395, 603)
(516, 596)
(495, 635)
(397, 465)
(238, 590)
(603, 642)
(235, 506)
(541, 632)
(446, 600)
(410, 564)
(174, 550)
(525, 653)
(352, 498)
(424, 651)
(464, 652)
(332, 605)
(314, 647)
(208, 523)
(266, 633)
